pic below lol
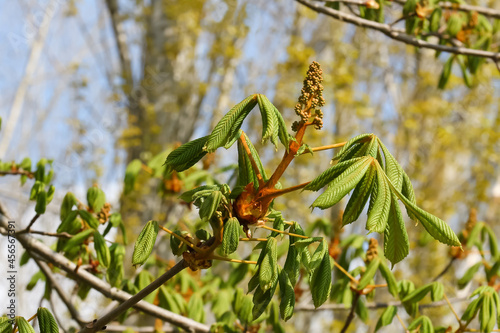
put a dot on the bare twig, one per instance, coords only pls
(350, 317)
(397, 35)
(445, 269)
(33, 220)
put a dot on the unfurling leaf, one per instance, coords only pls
(287, 295)
(41, 202)
(359, 197)
(186, 155)
(380, 205)
(145, 243)
(103, 254)
(330, 174)
(131, 172)
(392, 285)
(46, 321)
(423, 323)
(246, 173)
(96, 198)
(231, 236)
(89, 218)
(387, 317)
(23, 326)
(77, 239)
(268, 269)
(396, 243)
(230, 124)
(67, 204)
(368, 275)
(343, 184)
(321, 281)
(269, 120)
(210, 205)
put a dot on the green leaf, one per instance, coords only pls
(330, 174)
(46, 321)
(287, 295)
(321, 281)
(41, 202)
(487, 314)
(352, 143)
(436, 227)
(96, 199)
(145, 243)
(131, 172)
(396, 243)
(405, 288)
(77, 239)
(392, 168)
(89, 218)
(268, 269)
(210, 205)
(186, 155)
(71, 224)
(392, 285)
(167, 300)
(67, 204)
(408, 192)
(359, 197)
(418, 294)
(379, 210)
(37, 187)
(103, 254)
(292, 263)
(261, 300)
(23, 326)
(231, 236)
(114, 274)
(229, 124)
(269, 120)
(177, 246)
(469, 274)
(195, 308)
(246, 174)
(368, 275)
(387, 317)
(318, 255)
(472, 309)
(445, 74)
(189, 195)
(5, 325)
(437, 291)
(343, 184)
(423, 323)
(492, 240)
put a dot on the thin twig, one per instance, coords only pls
(33, 220)
(335, 145)
(253, 239)
(216, 257)
(352, 278)
(282, 232)
(350, 317)
(185, 241)
(51, 234)
(453, 310)
(397, 35)
(401, 321)
(445, 269)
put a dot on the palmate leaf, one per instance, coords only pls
(396, 243)
(230, 124)
(186, 155)
(330, 174)
(359, 197)
(343, 184)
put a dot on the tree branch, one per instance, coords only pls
(397, 35)
(35, 247)
(350, 317)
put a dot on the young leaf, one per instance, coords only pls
(231, 236)
(379, 211)
(46, 321)
(186, 155)
(343, 184)
(67, 204)
(229, 124)
(195, 308)
(330, 174)
(103, 254)
(115, 272)
(423, 323)
(287, 295)
(396, 243)
(359, 197)
(71, 223)
(387, 317)
(41, 202)
(469, 274)
(131, 172)
(268, 269)
(487, 314)
(321, 281)
(269, 120)
(145, 243)
(368, 275)
(472, 309)
(210, 205)
(23, 326)
(351, 143)
(246, 173)
(77, 239)
(437, 291)
(445, 74)
(96, 198)
(392, 285)
(89, 218)
(408, 192)
(392, 168)
(418, 294)
(188, 195)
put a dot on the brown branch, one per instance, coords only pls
(35, 247)
(33, 220)
(350, 317)
(397, 35)
(18, 172)
(51, 234)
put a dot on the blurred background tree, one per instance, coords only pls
(95, 84)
